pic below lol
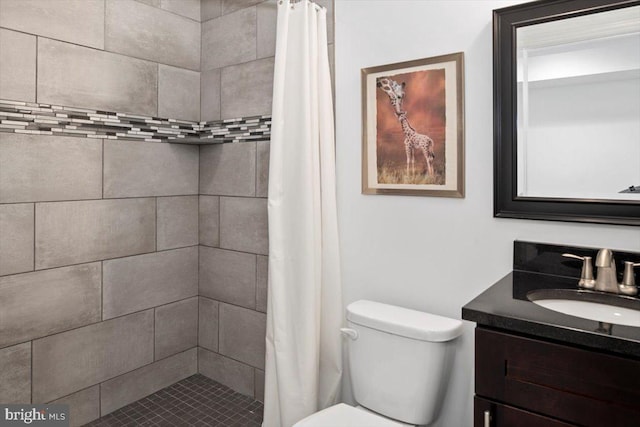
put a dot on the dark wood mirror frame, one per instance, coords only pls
(506, 202)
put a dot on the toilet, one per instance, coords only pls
(399, 362)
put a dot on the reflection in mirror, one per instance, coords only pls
(578, 107)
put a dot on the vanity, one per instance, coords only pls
(538, 367)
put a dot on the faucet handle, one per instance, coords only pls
(628, 285)
(586, 276)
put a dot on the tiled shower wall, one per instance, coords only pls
(99, 265)
(98, 238)
(238, 47)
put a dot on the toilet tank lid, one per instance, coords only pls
(403, 321)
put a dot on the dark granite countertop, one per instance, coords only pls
(505, 305)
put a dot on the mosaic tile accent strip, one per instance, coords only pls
(194, 401)
(44, 119)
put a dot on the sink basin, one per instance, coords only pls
(598, 306)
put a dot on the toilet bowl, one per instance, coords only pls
(399, 360)
(342, 415)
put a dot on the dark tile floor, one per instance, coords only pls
(194, 401)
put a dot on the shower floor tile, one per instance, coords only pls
(194, 401)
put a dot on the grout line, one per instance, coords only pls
(153, 349)
(104, 25)
(101, 291)
(36, 82)
(158, 90)
(233, 250)
(103, 169)
(34, 236)
(160, 8)
(234, 196)
(218, 340)
(156, 224)
(94, 200)
(230, 358)
(31, 373)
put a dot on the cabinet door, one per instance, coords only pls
(507, 416)
(578, 386)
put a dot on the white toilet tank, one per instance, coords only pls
(400, 360)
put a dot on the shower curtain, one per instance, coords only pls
(304, 314)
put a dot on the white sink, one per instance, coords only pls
(608, 308)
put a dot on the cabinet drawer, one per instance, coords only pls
(574, 385)
(506, 416)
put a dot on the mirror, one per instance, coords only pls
(567, 111)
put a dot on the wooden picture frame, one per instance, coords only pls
(413, 127)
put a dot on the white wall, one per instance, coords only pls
(427, 253)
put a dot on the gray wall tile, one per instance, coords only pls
(74, 232)
(45, 302)
(210, 95)
(73, 360)
(235, 375)
(209, 220)
(144, 281)
(208, 323)
(247, 89)
(134, 169)
(16, 244)
(262, 283)
(267, 17)
(15, 374)
(229, 39)
(178, 93)
(228, 169)
(176, 327)
(262, 169)
(142, 31)
(188, 8)
(229, 6)
(36, 169)
(84, 406)
(81, 77)
(242, 334)
(17, 65)
(259, 384)
(177, 222)
(244, 224)
(210, 9)
(135, 385)
(228, 276)
(76, 21)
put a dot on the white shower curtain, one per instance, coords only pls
(304, 315)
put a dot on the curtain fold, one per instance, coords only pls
(304, 308)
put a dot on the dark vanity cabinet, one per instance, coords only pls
(524, 382)
(535, 367)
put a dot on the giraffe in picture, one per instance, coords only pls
(412, 139)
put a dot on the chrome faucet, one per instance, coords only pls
(606, 278)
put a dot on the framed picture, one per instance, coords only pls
(413, 127)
